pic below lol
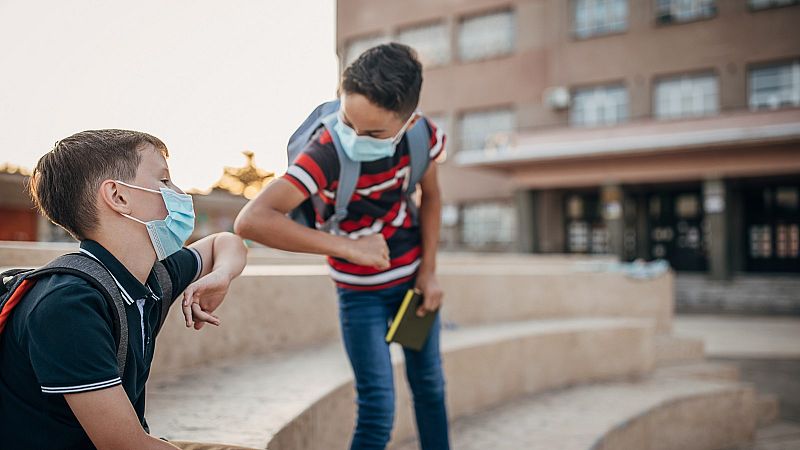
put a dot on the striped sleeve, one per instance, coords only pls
(71, 343)
(315, 168)
(438, 140)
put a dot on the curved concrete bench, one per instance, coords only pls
(662, 412)
(304, 400)
(288, 307)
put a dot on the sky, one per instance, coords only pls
(211, 78)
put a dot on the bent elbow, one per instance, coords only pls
(242, 226)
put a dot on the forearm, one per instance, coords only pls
(430, 216)
(229, 255)
(278, 231)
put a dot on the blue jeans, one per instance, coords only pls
(364, 317)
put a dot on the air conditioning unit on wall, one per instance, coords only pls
(557, 98)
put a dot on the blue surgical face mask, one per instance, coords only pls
(169, 235)
(367, 148)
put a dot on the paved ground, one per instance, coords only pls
(743, 336)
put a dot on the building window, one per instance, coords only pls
(775, 86)
(598, 17)
(486, 36)
(488, 224)
(358, 46)
(485, 129)
(599, 105)
(675, 11)
(432, 43)
(687, 96)
(765, 4)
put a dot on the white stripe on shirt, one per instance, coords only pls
(304, 177)
(82, 387)
(439, 141)
(379, 278)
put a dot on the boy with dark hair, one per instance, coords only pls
(62, 383)
(381, 249)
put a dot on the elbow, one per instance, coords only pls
(255, 225)
(242, 226)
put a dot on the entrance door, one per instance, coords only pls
(676, 226)
(586, 230)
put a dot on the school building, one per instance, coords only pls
(646, 129)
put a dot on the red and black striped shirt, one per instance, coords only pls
(377, 206)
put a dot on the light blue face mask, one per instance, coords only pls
(367, 148)
(169, 235)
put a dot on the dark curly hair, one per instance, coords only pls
(389, 75)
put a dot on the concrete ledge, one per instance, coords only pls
(38, 253)
(305, 399)
(704, 417)
(651, 414)
(702, 371)
(672, 350)
(769, 409)
(277, 308)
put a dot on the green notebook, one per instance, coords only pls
(408, 329)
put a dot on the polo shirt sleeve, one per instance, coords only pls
(71, 341)
(184, 268)
(438, 141)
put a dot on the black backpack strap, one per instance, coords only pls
(97, 275)
(164, 280)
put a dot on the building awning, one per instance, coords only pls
(743, 128)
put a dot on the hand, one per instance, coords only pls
(202, 297)
(369, 251)
(431, 291)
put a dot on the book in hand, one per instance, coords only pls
(408, 329)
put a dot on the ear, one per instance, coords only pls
(115, 196)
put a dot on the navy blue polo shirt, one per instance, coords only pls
(60, 340)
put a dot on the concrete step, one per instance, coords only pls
(278, 308)
(768, 409)
(767, 405)
(304, 399)
(672, 350)
(778, 436)
(659, 413)
(703, 370)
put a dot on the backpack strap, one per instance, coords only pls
(164, 280)
(349, 172)
(98, 276)
(419, 138)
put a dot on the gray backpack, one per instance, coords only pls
(15, 283)
(326, 115)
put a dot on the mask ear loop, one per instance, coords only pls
(134, 219)
(142, 189)
(137, 187)
(399, 134)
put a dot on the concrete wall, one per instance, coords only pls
(266, 305)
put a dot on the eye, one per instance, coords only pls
(165, 180)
